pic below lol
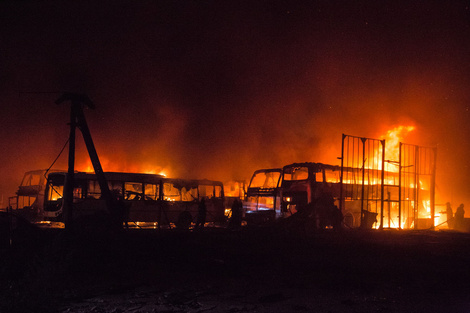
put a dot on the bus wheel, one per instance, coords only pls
(184, 220)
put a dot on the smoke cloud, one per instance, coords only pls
(210, 89)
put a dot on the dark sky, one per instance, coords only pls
(217, 89)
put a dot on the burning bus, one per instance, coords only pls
(152, 199)
(29, 199)
(370, 190)
(263, 199)
(304, 183)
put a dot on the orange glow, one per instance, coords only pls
(393, 137)
(109, 166)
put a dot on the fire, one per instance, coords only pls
(109, 166)
(392, 138)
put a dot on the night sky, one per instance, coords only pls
(217, 89)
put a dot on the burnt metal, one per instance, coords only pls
(416, 164)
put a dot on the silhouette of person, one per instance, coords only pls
(201, 214)
(450, 216)
(327, 211)
(337, 218)
(459, 217)
(236, 218)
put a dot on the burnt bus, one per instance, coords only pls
(29, 199)
(263, 196)
(304, 183)
(152, 199)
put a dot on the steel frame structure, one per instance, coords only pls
(399, 193)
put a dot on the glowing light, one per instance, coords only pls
(392, 147)
(109, 166)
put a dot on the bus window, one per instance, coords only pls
(218, 191)
(94, 190)
(188, 194)
(319, 177)
(170, 192)
(55, 192)
(296, 173)
(151, 191)
(77, 193)
(332, 176)
(206, 191)
(133, 191)
(258, 180)
(265, 180)
(32, 179)
(115, 186)
(55, 186)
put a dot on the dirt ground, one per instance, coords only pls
(262, 269)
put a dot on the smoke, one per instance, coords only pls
(216, 90)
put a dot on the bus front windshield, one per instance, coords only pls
(265, 180)
(55, 188)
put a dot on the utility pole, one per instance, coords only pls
(77, 119)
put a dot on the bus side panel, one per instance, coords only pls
(88, 207)
(144, 211)
(215, 210)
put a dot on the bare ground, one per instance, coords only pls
(250, 270)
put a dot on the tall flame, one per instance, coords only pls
(392, 138)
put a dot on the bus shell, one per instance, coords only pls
(150, 198)
(263, 199)
(303, 183)
(29, 199)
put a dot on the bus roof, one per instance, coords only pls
(316, 166)
(143, 177)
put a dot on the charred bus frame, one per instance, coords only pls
(152, 199)
(304, 183)
(370, 190)
(400, 192)
(29, 199)
(263, 198)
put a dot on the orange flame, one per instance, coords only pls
(109, 166)
(393, 139)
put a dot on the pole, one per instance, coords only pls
(382, 186)
(399, 184)
(433, 187)
(341, 176)
(416, 209)
(77, 119)
(363, 178)
(69, 179)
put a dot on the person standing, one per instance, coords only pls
(201, 214)
(459, 218)
(450, 216)
(236, 218)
